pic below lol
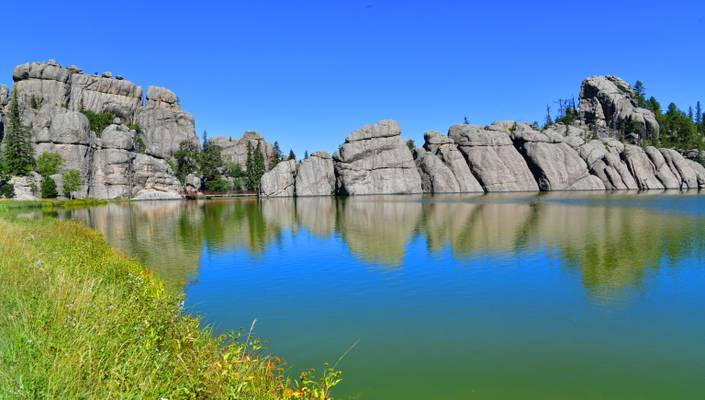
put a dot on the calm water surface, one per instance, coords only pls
(580, 296)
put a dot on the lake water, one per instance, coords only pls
(518, 296)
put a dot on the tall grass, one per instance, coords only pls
(48, 204)
(81, 321)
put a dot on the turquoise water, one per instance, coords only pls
(553, 296)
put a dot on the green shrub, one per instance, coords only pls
(72, 182)
(216, 185)
(99, 121)
(135, 127)
(48, 163)
(140, 147)
(7, 190)
(48, 188)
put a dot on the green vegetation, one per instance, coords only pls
(135, 127)
(7, 189)
(48, 188)
(679, 130)
(140, 147)
(48, 163)
(18, 155)
(81, 321)
(292, 156)
(187, 160)
(72, 182)
(255, 166)
(98, 121)
(276, 155)
(211, 162)
(48, 204)
(409, 143)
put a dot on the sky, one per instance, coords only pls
(307, 73)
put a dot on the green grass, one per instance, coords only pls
(80, 320)
(48, 204)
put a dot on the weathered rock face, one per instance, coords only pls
(662, 170)
(235, 150)
(447, 151)
(50, 98)
(280, 180)
(316, 175)
(4, 95)
(699, 171)
(102, 94)
(680, 168)
(604, 161)
(192, 186)
(163, 124)
(436, 177)
(26, 186)
(375, 160)
(641, 167)
(556, 165)
(493, 159)
(609, 102)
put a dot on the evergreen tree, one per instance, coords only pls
(18, 154)
(466, 121)
(211, 162)
(653, 105)
(187, 160)
(255, 166)
(305, 154)
(205, 138)
(698, 113)
(48, 188)
(276, 155)
(292, 156)
(690, 113)
(640, 92)
(549, 120)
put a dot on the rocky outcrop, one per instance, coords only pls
(316, 175)
(192, 186)
(26, 187)
(609, 102)
(603, 158)
(681, 168)
(642, 168)
(447, 151)
(235, 150)
(375, 160)
(661, 169)
(279, 181)
(163, 124)
(436, 177)
(52, 101)
(493, 159)
(555, 165)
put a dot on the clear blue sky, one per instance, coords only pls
(307, 73)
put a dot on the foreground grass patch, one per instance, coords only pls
(81, 321)
(48, 204)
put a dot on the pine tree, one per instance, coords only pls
(292, 156)
(698, 113)
(640, 92)
(305, 154)
(690, 113)
(17, 155)
(276, 155)
(205, 138)
(466, 121)
(549, 120)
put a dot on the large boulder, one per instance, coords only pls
(112, 164)
(436, 177)
(104, 94)
(609, 102)
(41, 83)
(681, 168)
(556, 165)
(447, 151)
(699, 170)
(604, 160)
(152, 178)
(493, 159)
(235, 150)
(316, 175)
(164, 125)
(375, 160)
(641, 168)
(662, 170)
(279, 181)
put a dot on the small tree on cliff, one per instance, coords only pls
(17, 154)
(276, 155)
(640, 92)
(549, 120)
(292, 156)
(187, 159)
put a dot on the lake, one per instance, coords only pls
(527, 296)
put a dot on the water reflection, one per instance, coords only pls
(610, 239)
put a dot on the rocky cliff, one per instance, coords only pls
(128, 158)
(505, 156)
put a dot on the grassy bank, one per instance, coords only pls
(81, 321)
(48, 204)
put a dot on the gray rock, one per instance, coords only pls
(662, 169)
(192, 186)
(641, 168)
(4, 96)
(608, 102)
(154, 179)
(436, 177)
(279, 181)
(699, 170)
(25, 186)
(164, 128)
(316, 176)
(159, 97)
(58, 130)
(447, 151)
(605, 162)
(111, 174)
(99, 94)
(41, 83)
(493, 159)
(680, 168)
(235, 150)
(375, 160)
